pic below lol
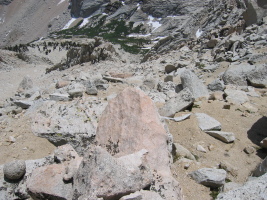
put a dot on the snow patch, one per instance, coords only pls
(69, 23)
(199, 33)
(123, 3)
(85, 21)
(152, 22)
(61, 1)
(146, 47)
(138, 6)
(139, 35)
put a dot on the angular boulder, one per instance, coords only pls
(216, 85)
(135, 125)
(180, 102)
(195, 85)
(103, 176)
(209, 177)
(47, 182)
(69, 122)
(244, 74)
(236, 96)
(254, 189)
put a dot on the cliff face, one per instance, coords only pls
(85, 8)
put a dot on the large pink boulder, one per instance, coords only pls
(130, 123)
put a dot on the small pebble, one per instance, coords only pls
(249, 150)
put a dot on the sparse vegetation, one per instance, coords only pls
(214, 193)
(114, 31)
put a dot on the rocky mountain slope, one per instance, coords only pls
(133, 99)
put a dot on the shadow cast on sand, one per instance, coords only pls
(257, 133)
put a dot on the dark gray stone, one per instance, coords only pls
(209, 177)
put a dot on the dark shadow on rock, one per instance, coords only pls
(262, 153)
(262, 4)
(258, 132)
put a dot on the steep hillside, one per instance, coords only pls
(24, 21)
(120, 100)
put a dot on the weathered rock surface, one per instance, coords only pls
(136, 120)
(15, 169)
(59, 97)
(223, 136)
(70, 122)
(209, 177)
(194, 84)
(207, 123)
(180, 102)
(216, 85)
(53, 187)
(103, 176)
(136, 125)
(241, 74)
(256, 10)
(254, 189)
(25, 84)
(236, 96)
(85, 8)
(18, 190)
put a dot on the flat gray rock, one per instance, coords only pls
(209, 177)
(207, 123)
(223, 136)
(24, 103)
(59, 97)
(178, 119)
